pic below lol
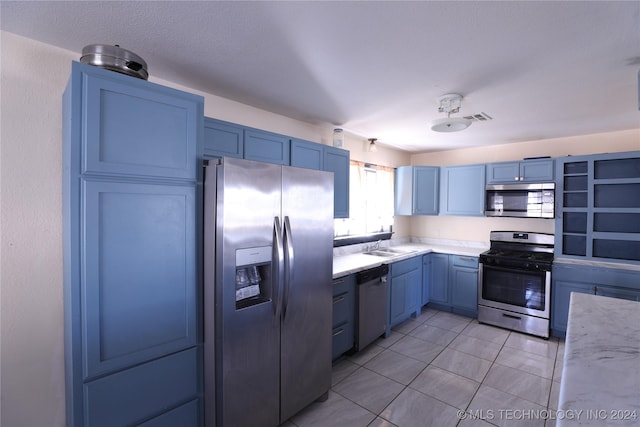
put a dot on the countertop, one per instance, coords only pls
(355, 262)
(600, 382)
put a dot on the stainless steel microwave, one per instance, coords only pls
(536, 200)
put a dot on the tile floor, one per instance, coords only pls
(441, 369)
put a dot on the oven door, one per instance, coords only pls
(515, 289)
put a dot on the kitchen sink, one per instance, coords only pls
(389, 252)
(381, 253)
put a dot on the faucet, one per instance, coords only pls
(376, 245)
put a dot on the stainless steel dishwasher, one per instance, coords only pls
(372, 291)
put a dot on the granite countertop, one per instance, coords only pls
(354, 262)
(600, 382)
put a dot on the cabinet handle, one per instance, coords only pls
(337, 300)
(338, 332)
(338, 281)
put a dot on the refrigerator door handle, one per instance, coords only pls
(278, 267)
(289, 265)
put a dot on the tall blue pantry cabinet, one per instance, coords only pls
(131, 269)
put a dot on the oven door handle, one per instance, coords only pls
(511, 316)
(513, 268)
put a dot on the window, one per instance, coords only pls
(370, 200)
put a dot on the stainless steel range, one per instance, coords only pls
(514, 282)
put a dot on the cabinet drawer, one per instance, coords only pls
(465, 261)
(405, 266)
(343, 307)
(343, 339)
(343, 300)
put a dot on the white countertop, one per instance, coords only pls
(592, 263)
(601, 370)
(354, 262)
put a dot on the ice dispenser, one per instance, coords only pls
(253, 276)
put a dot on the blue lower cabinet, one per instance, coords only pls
(453, 283)
(405, 290)
(569, 278)
(439, 295)
(344, 306)
(426, 278)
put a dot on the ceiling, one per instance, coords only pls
(539, 69)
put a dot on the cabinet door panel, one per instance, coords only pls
(462, 190)
(185, 415)
(266, 147)
(337, 161)
(133, 395)
(130, 130)
(426, 278)
(398, 298)
(560, 301)
(464, 293)
(305, 154)
(138, 280)
(223, 139)
(503, 172)
(537, 170)
(426, 191)
(439, 284)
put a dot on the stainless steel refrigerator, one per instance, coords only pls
(268, 250)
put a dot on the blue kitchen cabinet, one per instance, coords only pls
(417, 190)
(343, 314)
(130, 253)
(453, 283)
(462, 190)
(405, 290)
(439, 295)
(306, 154)
(222, 139)
(539, 170)
(266, 146)
(464, 285)
(598, 207)
(336, 160)
(609, 282)
(426, 278)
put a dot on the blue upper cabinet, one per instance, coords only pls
(598, 207)
(266, 147)
(306, 154)
(524, 171)
(462, 190)
(130, 156)
(222, 139)
(336, 160)
(417, 190)
(138, 129)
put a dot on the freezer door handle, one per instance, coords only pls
(278, 265)
(288, 265)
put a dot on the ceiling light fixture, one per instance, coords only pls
(450, 103)
(372, 145)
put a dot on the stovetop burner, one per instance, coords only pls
(532, 251)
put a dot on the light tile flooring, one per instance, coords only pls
(441, 369)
